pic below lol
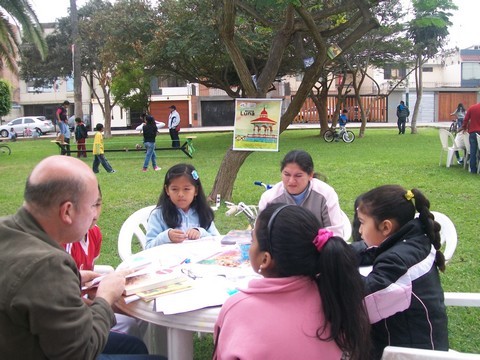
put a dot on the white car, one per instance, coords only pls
(34, 123)
(159, 125)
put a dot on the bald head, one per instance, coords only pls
(57, 179)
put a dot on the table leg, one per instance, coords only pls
(180, 344)
(156, 339)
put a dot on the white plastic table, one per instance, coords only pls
(180, 327)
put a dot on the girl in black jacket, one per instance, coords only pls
(404, 297)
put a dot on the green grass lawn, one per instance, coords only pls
(382, 157)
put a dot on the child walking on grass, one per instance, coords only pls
(182, 212)
(98, 152)
(404, 299)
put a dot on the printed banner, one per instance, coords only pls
(257, 124)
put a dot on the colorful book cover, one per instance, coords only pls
(150, 280)
(229, 258)
(181, 285)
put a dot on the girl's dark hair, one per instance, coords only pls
(460, 107)
(303, 160)
(150, 120)
(356, 236)
(169, 210)
(99, 127)
(288, 237)
(391, 202)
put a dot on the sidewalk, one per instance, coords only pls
(350, 125)
(206, 129)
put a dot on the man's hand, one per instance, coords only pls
(112, 286)
(88, 275)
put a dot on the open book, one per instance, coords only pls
(143, 281)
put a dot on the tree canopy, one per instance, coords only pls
(21, 12)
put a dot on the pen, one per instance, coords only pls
(186, 261)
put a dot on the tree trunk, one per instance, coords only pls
(77, 59)
(419, 89)
(227, 174)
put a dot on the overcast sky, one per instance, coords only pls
(464, 32)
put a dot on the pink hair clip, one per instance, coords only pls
(322, 238)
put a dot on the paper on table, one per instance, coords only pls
(206, 293)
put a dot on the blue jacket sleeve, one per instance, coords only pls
(157, 230)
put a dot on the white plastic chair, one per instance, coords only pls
(134, 226)
(446, 138)
(347, 227)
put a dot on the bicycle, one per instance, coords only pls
(5, 150)
(250, 211)
(260, 183)
(332, 134)
(453, 127)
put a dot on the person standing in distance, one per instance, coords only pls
(174, 126)
(471, 123)
(402, 114)
(60, 119)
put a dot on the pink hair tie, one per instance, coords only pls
(322, 238)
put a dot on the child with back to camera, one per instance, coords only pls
(309, 303)
(182, 212)
(404, 299)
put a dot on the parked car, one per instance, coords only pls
(34, 123)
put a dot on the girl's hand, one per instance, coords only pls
(193, 234)
(176, 236)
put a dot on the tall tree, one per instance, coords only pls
(264, 39)
(317, 23)
(108, 43)
(22, 13)
(77, 58)
(380, 48)
(428, 31)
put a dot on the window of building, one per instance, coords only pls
(470, 71)
(390, 72)
(427, 69)
(171, 81)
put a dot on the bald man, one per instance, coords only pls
(42, 313)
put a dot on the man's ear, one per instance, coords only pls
(67, 212)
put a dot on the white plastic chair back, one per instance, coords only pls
(448, 234)
(347, 227)
(134, 227)
(401, 353)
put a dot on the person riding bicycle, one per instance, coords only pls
(342, 122)
(460, 114)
